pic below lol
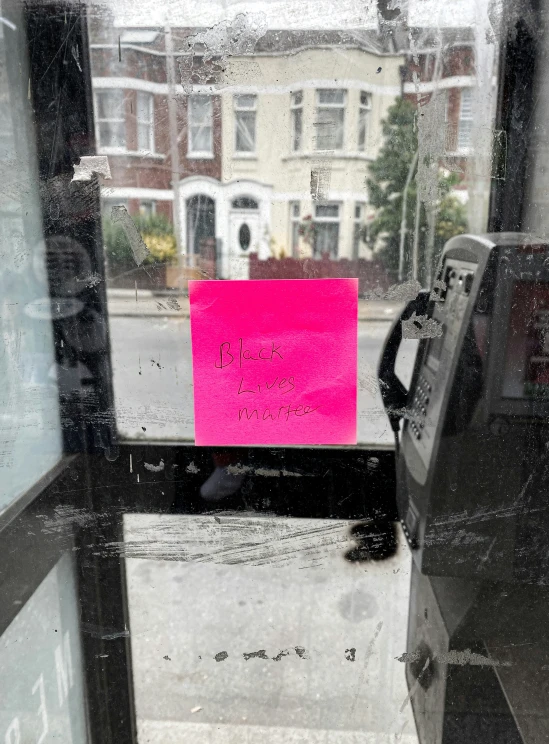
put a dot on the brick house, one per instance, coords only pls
(130, 84)
(282, 136)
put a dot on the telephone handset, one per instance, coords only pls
(393, 392)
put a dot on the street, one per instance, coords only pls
(153, 378)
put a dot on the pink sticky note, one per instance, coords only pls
(275, 361)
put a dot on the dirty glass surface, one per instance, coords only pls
(301, 137)
(30, 429)
(392, 591)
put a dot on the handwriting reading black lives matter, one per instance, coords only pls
(238, 354)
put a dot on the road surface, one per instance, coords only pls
(153, 378)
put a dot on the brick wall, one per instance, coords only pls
(156, 173)
(370, 274)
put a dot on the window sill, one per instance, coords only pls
(328, 155)
(131, 153)
(245, 156)
(459, 153)
(200, 156)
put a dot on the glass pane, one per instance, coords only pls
(245, 102)
(41, 666)
(201, 109)
(229, 100)
(297, 124)
(327, 210)
(326, 239)
(245, 131)
(30, 430)
(329, 129)
(362, 121)
(201, 139)
(112, 134)
(144, 139)
(110, 104)
(144, 107)
(331, 96)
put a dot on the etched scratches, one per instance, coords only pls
(230, 540)
(367, 657)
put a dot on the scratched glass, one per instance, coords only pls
(30, 430)
(152, 590)
(306, 125)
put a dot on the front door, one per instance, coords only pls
(243, 240)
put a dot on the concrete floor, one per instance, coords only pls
(302, 612)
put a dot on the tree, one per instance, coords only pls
(388, 174)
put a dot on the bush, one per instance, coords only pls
(157, 233)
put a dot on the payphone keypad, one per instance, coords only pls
(438, 359)
(419, 406)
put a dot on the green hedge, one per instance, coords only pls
(157, 233)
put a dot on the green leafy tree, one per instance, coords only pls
(388, 174)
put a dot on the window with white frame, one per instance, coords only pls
(296, 108)
(245, 120)
(364, 107)
(295, 221)
(326, 230)
(110, 115)
(200, 126)
(465, 126)
(357, 228)
(145, 121)
(330, 119)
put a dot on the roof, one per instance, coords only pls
(390, 39)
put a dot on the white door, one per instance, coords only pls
(243, 240)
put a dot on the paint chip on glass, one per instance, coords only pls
(91, 164)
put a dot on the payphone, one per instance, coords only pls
(472, 477)
(476, 416)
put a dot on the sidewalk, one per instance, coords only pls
(126, 303)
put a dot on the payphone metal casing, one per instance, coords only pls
(477, 409)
